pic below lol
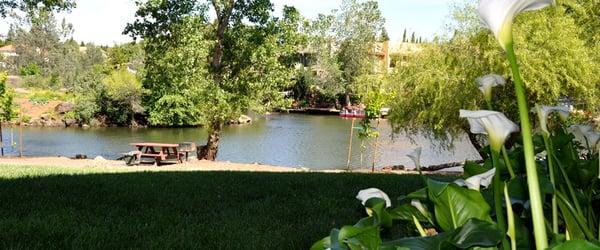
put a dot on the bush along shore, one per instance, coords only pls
(60, 114)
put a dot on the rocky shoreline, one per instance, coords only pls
(58, 118)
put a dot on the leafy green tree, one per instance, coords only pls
(384, 37)
(35, 37)
(245, 67)
(356, 34)
(86, 108)
(176, 60)
(7, 110)
(49, 5)
(321, 47)
(413, 38)
(126, 55)
(246, 48)
(404, 36)
(124, 92)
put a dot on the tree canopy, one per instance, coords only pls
(48, 5)
(203, 72)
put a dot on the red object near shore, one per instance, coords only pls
(352, 113)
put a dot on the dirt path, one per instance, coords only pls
(102, 165)
(120, 165)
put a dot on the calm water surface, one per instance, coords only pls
(319, 142)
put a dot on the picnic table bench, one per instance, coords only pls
(159, 152)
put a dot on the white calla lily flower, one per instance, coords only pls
(476, 181)
(593, 139)
(487, 82)
(498, 15)
(415, 156)
(581, 128)
(545, 111)
(417, 204)
(491, 123)
(366, 194)
(585, 135)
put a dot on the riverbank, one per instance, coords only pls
(101, 164)
(113, 166)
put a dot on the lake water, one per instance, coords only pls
(318, 142)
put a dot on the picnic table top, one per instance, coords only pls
(152, 144)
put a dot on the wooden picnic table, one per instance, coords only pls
(165, 151)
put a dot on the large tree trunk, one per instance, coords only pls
(210, 150)
(223, 11)
(348, 101)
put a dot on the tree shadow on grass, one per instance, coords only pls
(206, 210)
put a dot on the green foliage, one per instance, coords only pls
(252, 65)
(174, 71)
(463, 214)
(124, 96)
(49, 5)
(86, 108)
(341, 46)
(175, 110)
(42, 97)
(431, 89)
(358, 25)
(44, 58)
(126, 55)
(463, 217)
(7, 110)
(438, 81)
(31, 69)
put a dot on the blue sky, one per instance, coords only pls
(102, 21)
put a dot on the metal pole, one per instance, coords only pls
(375, 147)
(350, 145)
(21, 135)
(1, 140)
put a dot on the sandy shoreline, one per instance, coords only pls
(119, 166)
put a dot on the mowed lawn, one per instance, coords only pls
(42, 207)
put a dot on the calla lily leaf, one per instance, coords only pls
(379, 212)
(455, 205)
(498, 15)
(406, 212)
(474, 233)
(576, 244)
(491, 123)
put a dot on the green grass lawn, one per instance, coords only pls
(63, 208)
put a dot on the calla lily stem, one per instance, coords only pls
(569, 184)
(550, 152)
(507, 163)
(535, 196)
(578, 217)
(497, 198)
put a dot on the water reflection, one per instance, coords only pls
(319, 142)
